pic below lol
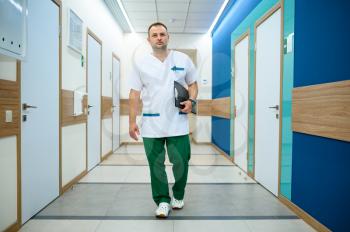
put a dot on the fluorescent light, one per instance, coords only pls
(218, 16)
(126, 16)
(16, 5)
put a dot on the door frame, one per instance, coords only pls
(278, 6)
(59, 4)
(116, 57)
(240, 39)
(98, 40)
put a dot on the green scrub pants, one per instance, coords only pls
(179, 153)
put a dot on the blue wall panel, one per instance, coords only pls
(233, 15)
(320, 179)
(321, 41)
(221, 133)
(320, 175)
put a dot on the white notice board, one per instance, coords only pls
(75, 31)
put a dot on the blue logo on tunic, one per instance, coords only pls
(177, 69)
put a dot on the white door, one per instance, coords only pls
(116, 103)
(94, 101)
(40, 125)
(268, 78)
(241, 103)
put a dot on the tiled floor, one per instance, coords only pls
(116, 196)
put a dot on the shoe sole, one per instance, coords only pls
(177, 208)
(161, 216)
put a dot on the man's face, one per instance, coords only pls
(158, 37)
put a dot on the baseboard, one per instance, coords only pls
(194, 141)
(130, 143)
(303, 215)
(251, 175)
(104, 157)
(12, 228)
(227, 156)
(74, 181)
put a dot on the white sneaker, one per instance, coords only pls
(177, 204)
(163, 210)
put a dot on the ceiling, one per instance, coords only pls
(180, 16)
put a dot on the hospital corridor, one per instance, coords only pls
(174, 115)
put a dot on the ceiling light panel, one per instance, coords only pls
(172, 6)
(212, 2)
(138, 1)
(200, 7)
(138, 23)
(141, 29)
(172, 15)
(139, 6)
(176, 30)
(201, 16)
(199, 23)
(180, 16)
(142, 15)
(196, 30)
(178, 23)
(182, 1)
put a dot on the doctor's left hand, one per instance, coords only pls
(134, 131)
(188, 106)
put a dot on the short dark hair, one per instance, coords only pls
(157, 24)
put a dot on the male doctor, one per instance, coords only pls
(162, 122)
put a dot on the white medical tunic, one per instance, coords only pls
(155, 79)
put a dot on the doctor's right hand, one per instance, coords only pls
(134, 131)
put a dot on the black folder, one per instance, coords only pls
(181, 95)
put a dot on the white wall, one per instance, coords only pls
(124, 129)
(107, 134)
(202, 132)
(73, 152)
(95, 16)
(7, 68)
(137, 46)
(8, 159)
(8, 181)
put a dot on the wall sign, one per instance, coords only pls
(75, 31)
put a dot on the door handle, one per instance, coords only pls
(25, 106)
(89, 106)
(276, 107)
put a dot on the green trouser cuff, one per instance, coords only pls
(166, 199)
(179, 152)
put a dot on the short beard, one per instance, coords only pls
(162, 48)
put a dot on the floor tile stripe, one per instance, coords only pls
(53, 217)
(145, 165)
(133, 153)
(140, 183)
